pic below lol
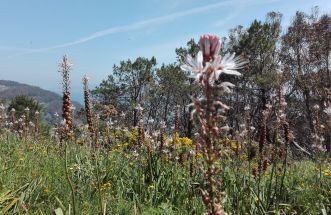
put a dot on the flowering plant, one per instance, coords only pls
(206, 69)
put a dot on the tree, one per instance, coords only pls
(258, 44)
(128, 86)
(21, 102)
(305, 55)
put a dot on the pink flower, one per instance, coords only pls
(210, 46)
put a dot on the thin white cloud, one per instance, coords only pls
(143, 24)
(134, 26)
(8, 48)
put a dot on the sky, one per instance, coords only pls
(96, 34)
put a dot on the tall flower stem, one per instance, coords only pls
(65, 67)
(206, 68)
(71, 184)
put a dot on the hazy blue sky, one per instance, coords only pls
(97, 34)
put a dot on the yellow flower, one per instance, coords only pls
(21, 159)
(326, 172)
(235, 145)
(151, 187)
(199, 155)
(46, 190)
(243, 157)
(186, 141)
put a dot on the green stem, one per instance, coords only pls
(98, 181)
(73, 199)
(283, 177)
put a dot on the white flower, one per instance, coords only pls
(226, 86)
(328, 110)
(139, 108)
(225, 128)
(194, 65)
(229, 64)
(63, 122)
(247, 107)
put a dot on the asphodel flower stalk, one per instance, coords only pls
(162, 130)
(36, 128)
(206, 69)
(328, 110)
(88, 110)
(26, 122)
(176, 129)
(65, 68)
(141, 129)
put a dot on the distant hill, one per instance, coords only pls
(50, 101)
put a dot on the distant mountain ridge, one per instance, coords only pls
(50, 101)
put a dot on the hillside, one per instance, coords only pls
(50, 101)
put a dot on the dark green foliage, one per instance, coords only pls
(20, 103)
(50, 101)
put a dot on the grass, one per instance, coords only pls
(120, 180)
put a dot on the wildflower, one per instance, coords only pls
(328, 111)
(208, 65)
(326, 172)
(235, 145)
(186, 141)
(65, 67)
(46, 190)
(88, 111)
(206, 68)
(151, 187)
(210, 46)
(316, 107)
(229, 64)
(139, 108)
(193, 65)
(246, 108)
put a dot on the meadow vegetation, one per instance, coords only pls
(237, 126)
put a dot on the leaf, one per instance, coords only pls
(58, 211)
(324, 211)
(7, 208)
(60, 203)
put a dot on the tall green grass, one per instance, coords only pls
(33, 180)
